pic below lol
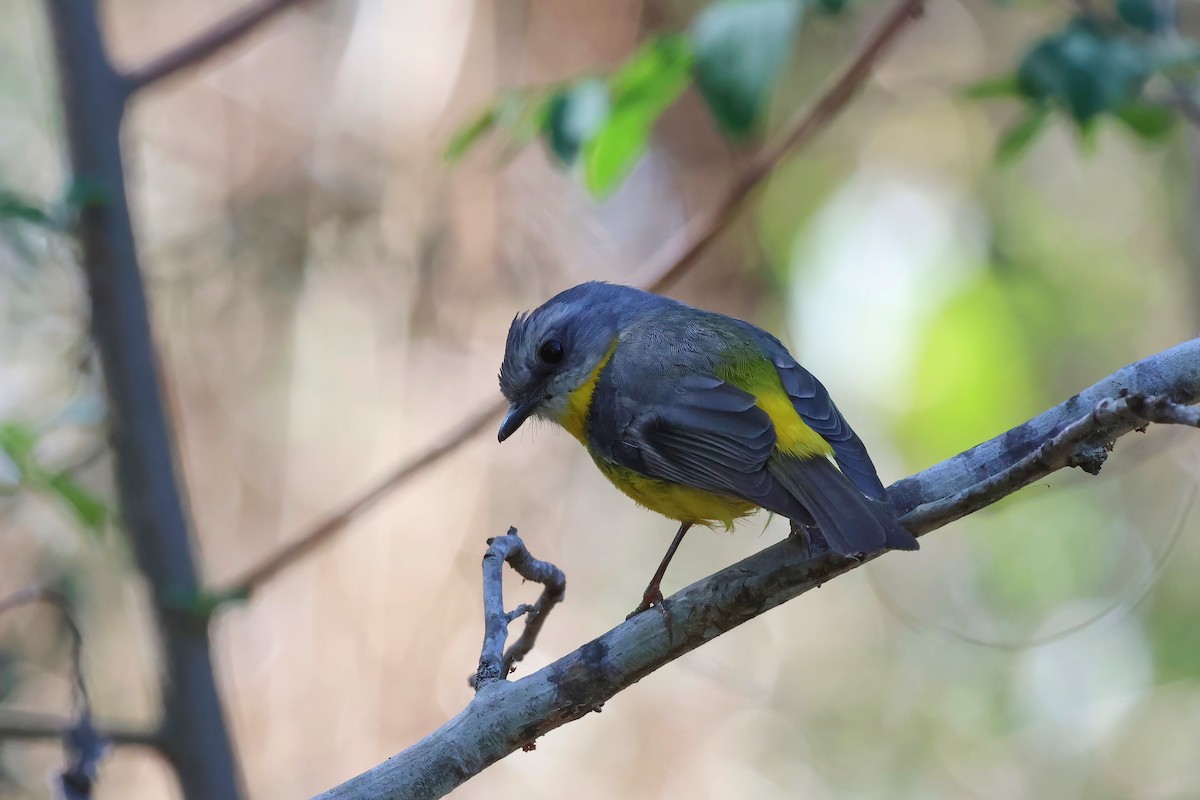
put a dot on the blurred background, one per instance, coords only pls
(330, 297)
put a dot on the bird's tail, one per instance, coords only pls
(850, 521)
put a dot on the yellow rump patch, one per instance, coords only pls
(793, 436)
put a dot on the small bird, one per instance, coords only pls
(700, 417)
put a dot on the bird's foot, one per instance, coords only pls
(653, 597)
(803, 536)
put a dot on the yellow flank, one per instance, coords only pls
(674, 500)
(579, 401)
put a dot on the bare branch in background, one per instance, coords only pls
(505, 716)
(336, 522)
(24, 726)
(679, 253)
(494, 662)
(666, 266)
(83, 744)
(35, 594)
(207, 44)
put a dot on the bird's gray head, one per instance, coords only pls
(556, 349)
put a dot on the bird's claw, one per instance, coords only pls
(654, 598)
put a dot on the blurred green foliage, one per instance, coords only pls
(1097, 66)
(18, 444)
(733, 53)
(640, 92)
(740, 48)
(973, 369)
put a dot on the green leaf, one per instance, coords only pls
(15, 207)
(469, 135)
(1085, 69)
(85, 193)
(995, 87)
(832, 7)
(1017, 139)
(574, 116)
(201, 604)
(1147, 120)
(1145, 15)
(740, 46)
(91, 512)
(519, 113)
(18, 442)
(639, 93)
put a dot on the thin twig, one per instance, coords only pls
(37, 593)
(681, 251)
(269, 567)
(24, 726)
(494, 663)
(83, 744)
(670, 261)
(206, 44)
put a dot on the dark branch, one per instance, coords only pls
(194, 735)
(22, 726)
(505, 716)
(494, 662)
(670, 262)
(207, 44)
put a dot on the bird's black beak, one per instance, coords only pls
(517, 414)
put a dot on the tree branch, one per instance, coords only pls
(22, 726)
(194, 735)
(494, 662)
(668, 263)
(505, 716)
(1174, 374)
(205, 45)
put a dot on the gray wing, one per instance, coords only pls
(815, 407)
(711, 435)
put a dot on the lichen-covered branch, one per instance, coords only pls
(1174, 374)
(494, 662)
(506, 716)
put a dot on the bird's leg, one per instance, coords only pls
(804, 533)
(653, 594)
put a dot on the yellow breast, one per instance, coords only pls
(674, 500)
(579, 402)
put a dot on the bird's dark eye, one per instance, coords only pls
(551, 351)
